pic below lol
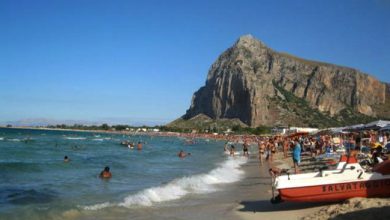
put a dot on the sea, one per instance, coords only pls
(36, 183)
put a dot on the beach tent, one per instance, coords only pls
(376, 125)
(354, 127)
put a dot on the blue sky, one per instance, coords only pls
(141, 61)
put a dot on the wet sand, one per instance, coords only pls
(255, 202)
(248, 199)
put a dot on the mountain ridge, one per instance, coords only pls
(250, 81)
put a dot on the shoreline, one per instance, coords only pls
(257, 205)
(189, 136)
(246, 199)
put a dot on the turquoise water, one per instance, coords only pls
(35, 183)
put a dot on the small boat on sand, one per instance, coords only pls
(348, 180)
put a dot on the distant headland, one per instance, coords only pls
(253, 85)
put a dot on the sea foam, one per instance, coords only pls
(98, 139)
(14, 139)
(98, 206)
(227, 172)
(75, 138)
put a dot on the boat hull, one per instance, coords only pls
(337, 191)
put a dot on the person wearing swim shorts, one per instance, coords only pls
(296, 155)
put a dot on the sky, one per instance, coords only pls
(141, 61)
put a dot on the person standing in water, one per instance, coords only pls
(225, 147)
(245, 149)
(105, 174)
(232, 150)
(139, 145)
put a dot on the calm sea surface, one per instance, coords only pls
(35, 183)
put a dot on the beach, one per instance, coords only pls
(247, 199)
(237, 188)
(38, 184)
(255, 193)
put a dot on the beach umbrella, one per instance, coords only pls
(376, 125)
(354, 127)
(386, 128)
(336, 130)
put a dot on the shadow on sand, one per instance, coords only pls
(266, 206)
(372, 213)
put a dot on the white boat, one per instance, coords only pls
(348, 180)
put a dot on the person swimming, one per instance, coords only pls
(183, 154)
(66, 159)
(105, 174)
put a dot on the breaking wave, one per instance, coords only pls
(227, 172)
(98, 139)
(13, 139)
(75, 138)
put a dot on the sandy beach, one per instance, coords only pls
(255, 193)
(247, 199)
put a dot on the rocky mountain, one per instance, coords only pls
(260, 86)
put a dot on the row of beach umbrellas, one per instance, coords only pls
(380, 125)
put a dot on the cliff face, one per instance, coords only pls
(259, 86)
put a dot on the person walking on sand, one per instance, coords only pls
(261, 151)
(269, 150)
(296, 155)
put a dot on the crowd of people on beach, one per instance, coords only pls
(294, 145)
(372, 144)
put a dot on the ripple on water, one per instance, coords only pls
(18, 196)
